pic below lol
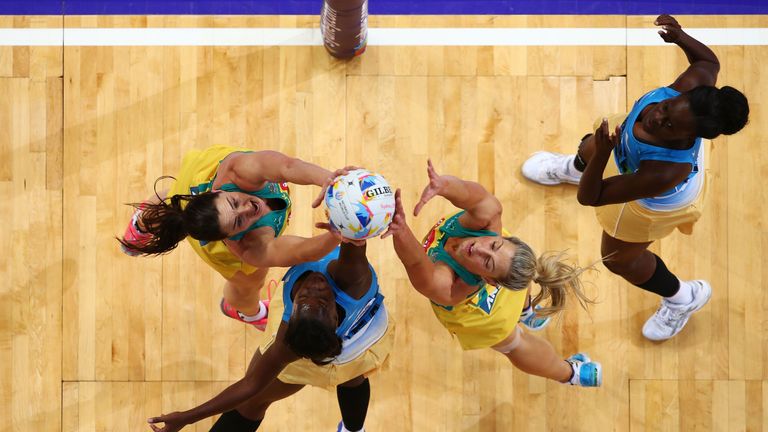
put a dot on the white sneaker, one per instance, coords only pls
(549, 168)
(531, 321)
(670, 318)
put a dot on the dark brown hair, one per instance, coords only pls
(311, 335)
(718, 110)
(312, 338)
(170, 222)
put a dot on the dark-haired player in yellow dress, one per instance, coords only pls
(232, 205)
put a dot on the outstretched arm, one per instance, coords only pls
(268, 251)
(264, 368)
(432, 281)
(483, 210)
(250, 170)
(704, 65)
(351, 270)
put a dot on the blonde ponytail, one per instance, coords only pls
(550, 271)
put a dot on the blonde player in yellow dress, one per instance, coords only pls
(232, 205)
(478, 280)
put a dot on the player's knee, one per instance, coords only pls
(618, 265)
(254, 410)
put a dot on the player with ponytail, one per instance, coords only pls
(479, 281)
(232, 205)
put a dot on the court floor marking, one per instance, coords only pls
(376, 36)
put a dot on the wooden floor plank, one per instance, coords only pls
(91, 339)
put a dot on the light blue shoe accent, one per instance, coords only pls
(586, 373)
(581, 357)
(533, 322)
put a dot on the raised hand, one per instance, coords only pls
(670, 28)
(398, 219)
(173, 422)
(329, 180)
(435, 187)
(604, 141)
(327, 226)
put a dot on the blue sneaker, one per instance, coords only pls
(531, 321)
(586, 373)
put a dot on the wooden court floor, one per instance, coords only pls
(93, 340)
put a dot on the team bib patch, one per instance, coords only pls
(485, 299)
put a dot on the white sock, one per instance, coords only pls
(344, 428)
(574, 374)
(260, 315)
(683, 296)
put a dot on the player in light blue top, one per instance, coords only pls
(630, 152)
(644, 174)
(333, 333)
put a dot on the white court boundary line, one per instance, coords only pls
(377, 36)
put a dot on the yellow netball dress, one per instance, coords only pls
(198, 171)
(489, 314)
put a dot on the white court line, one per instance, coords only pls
(377, 36)
(31, 37)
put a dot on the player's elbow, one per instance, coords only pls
(287, 164)
(493, 207)
(586, 199)
(708, 70)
